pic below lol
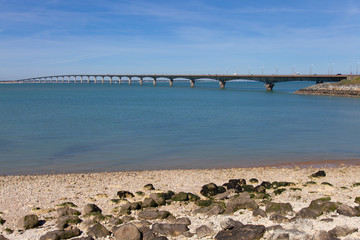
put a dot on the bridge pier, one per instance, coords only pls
(88, 79)
(192, 83)
(222, 84)
(129, 80)
(57, 80)
(111, 80)
(102, 81)
(269, 86)
(141, 81)
(81, 79)
(171, 82)
(95, 79)
(154, 82)
(74, 79)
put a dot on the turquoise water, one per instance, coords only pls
(48, 128)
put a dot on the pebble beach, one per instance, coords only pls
(125, 199)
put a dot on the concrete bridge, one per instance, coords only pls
(269, 80)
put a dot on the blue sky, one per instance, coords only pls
(48, 37)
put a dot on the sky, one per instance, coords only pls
(53, 37)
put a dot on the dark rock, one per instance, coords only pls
(317, 208)
(67, 220)
(153, 214)
(260, 189)
(278, 218)
(309, 213)
(181, 196)
(342, 231)
(320, 173)
(240, 203)
(135, 205)
(230, 224)
(281, 236)
(274, 228)
(259, 212)
(204, 203)
(279, 208)
(204, 231)
(149, 187)
(146, 233)
(221, 196)
(328, 220)
(2, 221)
(193, 197)
(115, 221)
(83, 238)
(235, 184)
(89, 208)
(159, 198)
(170, 229)
(246, 232)
(357, 200)
(149, 202)
(127, 218)
(98, 231)
(266, 184)
(28, 221)
(61, 234)
(67, 211)
(211, 189)
(279, 191)
(188, 234)
(124, 194)
(323, 235)
(3, 238)
(348, 211)
(254, 180)
(248, 188)
(161, 238)
(282, 184)
(183, 220)
(127, 232)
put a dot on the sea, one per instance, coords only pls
(71, 128)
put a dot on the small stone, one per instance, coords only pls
(212, 210)
(348, 211)
(240, 203)
(193, 197)
(320, 173)
(149, 187)
(64, 221)
(83, 238)
(89, 208)
(254, 180)
(2, 221)
(124, 194)
(342, 231)
(230, 223)
(173, 230)
(67, 211)
(246, 232)
(323, 235)
(127, 232)
(3, 238)
(159, 198)
(211, 189)
(183, 220)
(204, 231)
(150, 214)
(127, 218)
(278, 218)
(357, 200)
(98, 231)
(280, 236)
(61, 234)
(259, 212)
(28, 221)
(328, 220)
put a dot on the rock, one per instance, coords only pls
(28, 221)
(153, 214)
(127, 218)
(148, 202)
(98, 231)
(246, 232)
(204, 231)
(323, 235)
(357, 200)
(89, 208)
(254, 180)
(235, 184)
(193, 197)
(230, 224)
(127, 232)
(259, 212)
(135, 205)
(280, 236)
(211, 189)
(181, 196)
(83, 238)
(124, 194)
(342, 231)
(61, 234)
(170, 229)
(348, 211)
(236, 204)
(159, 198)
(320, 173)
(317, 207)
(328, 220)
(67, 211)
(279, 218)
(2, 221)
(67, 220)
(308, 213)
(274, 228)
(212, 210)
(260, 189)
(85, 225)
(3, 238)
(146, 233)
(278, 208)
(221, 196)
(149, 187)
(183, 220)
(266, 184)
(161, 238)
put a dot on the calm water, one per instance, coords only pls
(80, 128)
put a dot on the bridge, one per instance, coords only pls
(268, 80)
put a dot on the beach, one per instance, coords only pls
(42, 194)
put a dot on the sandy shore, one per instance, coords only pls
(39, 194)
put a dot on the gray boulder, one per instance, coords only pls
(236, 204)
(348, 211)
(204, 231)
(67, 211)
(67, 220)
(342, 231)
(90, 208)
(211, 210)
(278, 208)
(97, 231)
(323, 235)
(159, 198)
(153, 214)
(170, 229)
(149, 202)
(28, 221)
(230, 223)
(3, 238)
(61, 234)
(279, 218)
(259, 212)
(246, 232)
(127, 232)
